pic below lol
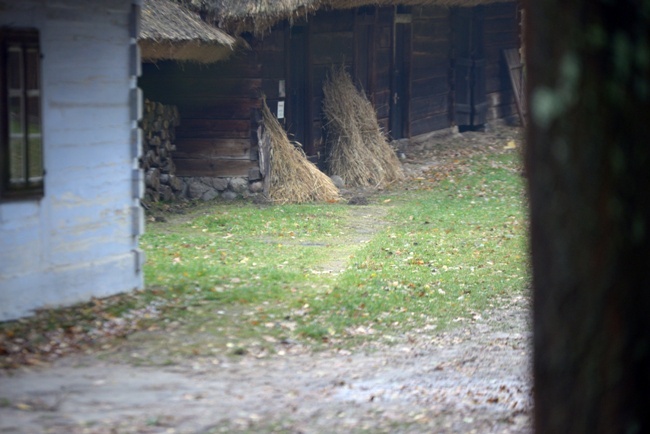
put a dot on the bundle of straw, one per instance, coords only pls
(359, 151)
(294, 179)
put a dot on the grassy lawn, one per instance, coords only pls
(232, 278)
(448, 250)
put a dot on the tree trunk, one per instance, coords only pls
(588, 163)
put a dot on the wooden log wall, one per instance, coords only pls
(431, 46)
(219, 104)
(158, 127)
(332, 43)
(502, 31)
(270, 53)
(215, 137)
(382, 75)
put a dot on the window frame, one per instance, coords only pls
(28, 39)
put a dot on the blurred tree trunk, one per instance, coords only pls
(588, 163)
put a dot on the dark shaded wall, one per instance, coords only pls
(219, 104)
(502, 31)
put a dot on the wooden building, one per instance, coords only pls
(70, 189)
(426, 65)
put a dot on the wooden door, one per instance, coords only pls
(400, 79)
(298, 88)
(470, 98)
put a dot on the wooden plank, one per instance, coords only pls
(242, 64)
(384, 38)
(382, 75)
(501, 112)
(220, 108)
(429, 66)
(500, 9)
(273, 41)
(437, 31)
(501, 98)
(500, 24)
(270, 88)
(213, 167)
(518, 81)
(429, 86)
(272, 64)
(429, 106)
(332, 48)
(382, 103)
(213, 128)
(213, 148)
(430, 124)
(426, 45)
(508, 36)
(332, 21)
(432, 13)
(206, 87)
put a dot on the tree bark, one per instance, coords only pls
(588, 163)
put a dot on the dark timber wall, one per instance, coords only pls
(220, 104)
(501, 29)
(429, 105)
(383, 48)
(332, 43)
(215, 103)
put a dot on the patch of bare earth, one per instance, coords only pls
(472, 379)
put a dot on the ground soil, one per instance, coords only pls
(473, 378)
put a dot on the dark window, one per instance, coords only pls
(21, 147)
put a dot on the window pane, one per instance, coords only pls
(35, 168)
(33, 115)
(22, 170)
(16, 121)
(14, 68)
(16, 162)
(16, 141)
(33, 60)
(35, 153)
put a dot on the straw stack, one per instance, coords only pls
(294, 179)
(358, 150)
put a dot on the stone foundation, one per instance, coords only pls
(206, 188)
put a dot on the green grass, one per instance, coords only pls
(241, 253)
(232, 278)
(450, 250)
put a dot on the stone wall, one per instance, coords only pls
(159, 124)
(205, 188)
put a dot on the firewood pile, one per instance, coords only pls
(158, 126)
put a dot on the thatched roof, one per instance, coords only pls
(169, 31)
(259, 15)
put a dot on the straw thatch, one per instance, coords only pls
(294, 179)
(359, 151)
(169, 31)
(259, 15)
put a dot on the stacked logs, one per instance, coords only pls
(158, 127)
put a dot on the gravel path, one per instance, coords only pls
(472, 379)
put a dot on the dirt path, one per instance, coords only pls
(474, 378)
